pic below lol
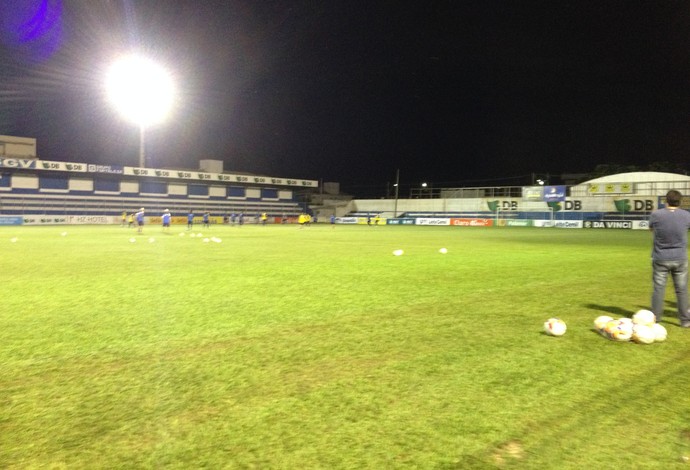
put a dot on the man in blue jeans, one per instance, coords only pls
(670, 255)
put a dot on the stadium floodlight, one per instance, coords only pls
(142, 91)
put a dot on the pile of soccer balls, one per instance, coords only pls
(642, 328)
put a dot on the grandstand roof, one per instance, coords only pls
(639, 177)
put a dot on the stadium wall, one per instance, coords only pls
(582, 208)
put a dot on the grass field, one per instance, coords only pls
(317, 348)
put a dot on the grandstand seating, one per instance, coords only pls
(24, 193)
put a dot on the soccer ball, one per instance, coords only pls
(643, 334)
(660, 332)
(555, 327)
(600, 323)
(398, 252)
(644, 317)
(620, 330)
(443, 251)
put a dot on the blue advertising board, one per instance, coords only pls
(554, 193)
(10, 220)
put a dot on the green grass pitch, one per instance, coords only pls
(293, 348)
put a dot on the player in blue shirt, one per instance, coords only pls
(139, 216)
(205, 219)
(190, 220)
(166, 220)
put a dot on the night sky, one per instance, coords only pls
(454, 93)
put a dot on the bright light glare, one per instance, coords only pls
(140, 89)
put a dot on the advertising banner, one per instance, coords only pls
(608, 224)
(432, 221)
(60, 166)
(472, 222)
(177, 220)
(230, 178)
(554, 193)
(568, 224)
(611, 188)
(45, 220)
(92, 219)
(347, 220)
(27, 163)
(533, 193)
(400, 221)
(515, 223)
(111, 169)
(640, 225)
(10, 220)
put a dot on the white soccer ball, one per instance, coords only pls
(182, 234)
(660, 332)
(620, 330)
(151, 240)
(398, 252)
(644, 317)
(205, 240)
(216, 240)
(132, 240)
(443, 251)
(600, 323)
(643, 334)
(555, 327)
(13, 240)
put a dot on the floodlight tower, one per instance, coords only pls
(143, 93)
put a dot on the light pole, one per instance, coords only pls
(397, 189)
(142, 91)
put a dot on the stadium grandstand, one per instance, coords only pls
(93, 193)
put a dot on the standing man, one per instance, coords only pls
(139, 216)
(190, 220)
(670, 255)
(205, 220)
(166, 220)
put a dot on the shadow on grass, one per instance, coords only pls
(620, 312)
